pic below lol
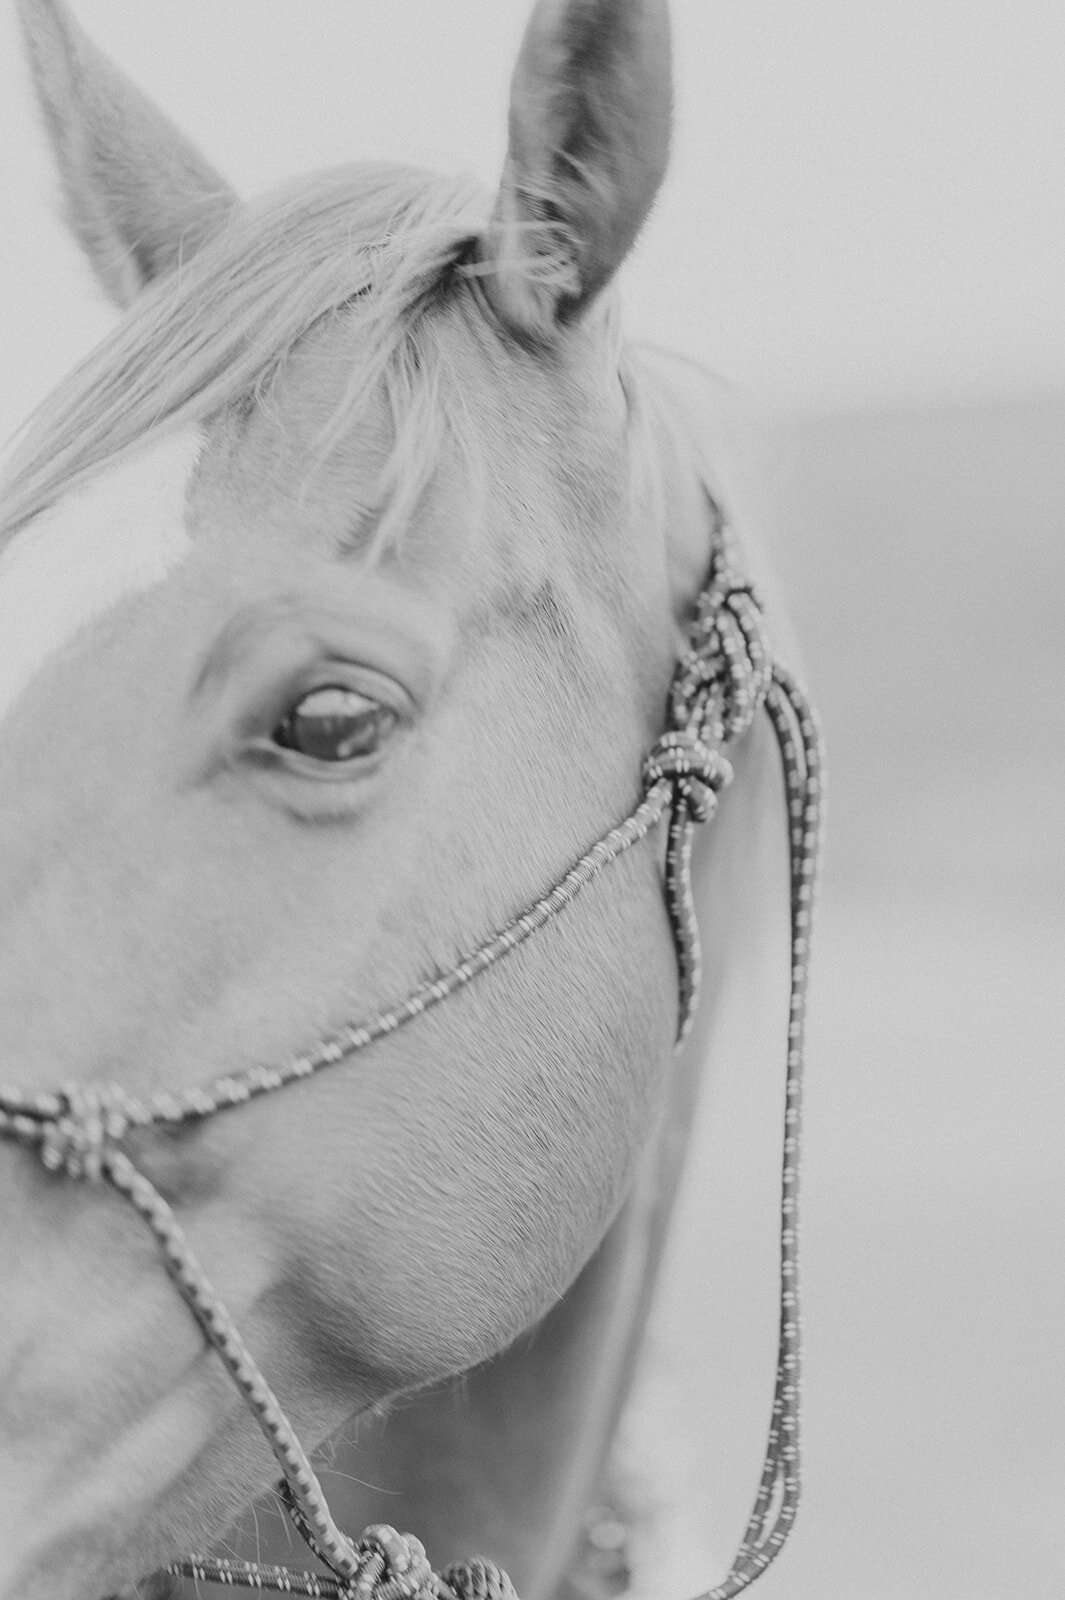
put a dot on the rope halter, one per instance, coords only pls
(723, 679)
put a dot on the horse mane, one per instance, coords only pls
(378, 241)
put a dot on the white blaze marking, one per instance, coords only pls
(121, 532)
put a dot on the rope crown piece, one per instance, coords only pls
(721, 682)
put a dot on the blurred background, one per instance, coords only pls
(864, 235)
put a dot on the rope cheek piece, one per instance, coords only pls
(725, 677)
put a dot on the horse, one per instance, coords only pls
(341, 594)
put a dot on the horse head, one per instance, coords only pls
(340, 590)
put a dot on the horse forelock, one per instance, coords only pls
(375, 242)
(373, 249)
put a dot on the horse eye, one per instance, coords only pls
(334, 724)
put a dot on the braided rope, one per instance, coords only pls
(74, 1125)
(724, 677)
(777, 1500)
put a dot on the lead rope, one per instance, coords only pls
(725, 676)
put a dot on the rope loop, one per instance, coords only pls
(392, 1566)
(91, 1120)
(696, 773)
(475, 1580)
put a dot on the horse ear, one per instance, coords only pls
(139, 196)
(590, 115)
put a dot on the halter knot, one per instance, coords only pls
(392, 1566)
(697, 773)
(92, 1119)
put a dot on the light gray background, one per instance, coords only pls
(864, 231)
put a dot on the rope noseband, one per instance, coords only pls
(724, 678)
